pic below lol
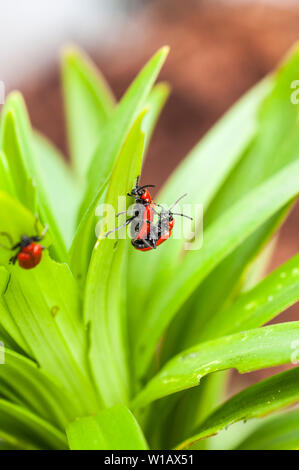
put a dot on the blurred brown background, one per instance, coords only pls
(218, 51)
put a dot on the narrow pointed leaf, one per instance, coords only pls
(201, 174)
(278, 433)
(247, 351)
(8, 324)
(88, 103)
(263, 398)
(105, 287)
(85, 237)
(27, 430)
(41, 309)
(12, 150)
(235, 225)
(39, 393)
(45, 310)
(112, 429)
(6, 181)
(155, 103)
(251, 310)
(119, 125)
(17, 143)
(16, 220)
(274, 147)
(256, 307)
(62, 188)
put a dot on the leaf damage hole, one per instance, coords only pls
(54, 311)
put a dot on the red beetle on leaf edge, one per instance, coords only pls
(142, 212)
(159, 232)
(30, 251)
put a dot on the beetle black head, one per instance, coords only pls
(25, 241)
(138, 191)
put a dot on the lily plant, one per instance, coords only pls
(106, 347)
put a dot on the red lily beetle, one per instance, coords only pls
(159, 232)
(143, 211)
(29, 252)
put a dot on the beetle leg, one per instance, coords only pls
(123, 212)
(121, 226)
(13, 259)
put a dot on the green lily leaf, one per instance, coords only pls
(273, 148)
(105, 288)
(17, 143)
(12, 151)
(201, 175)
(41, 309)
(45, 307)
(26, 430)
(82, 334)
(13, 445)
(39, 393)
(112, 429)
(155, 103)
(15, 221)
(89, 104)
(6, 182)
(268, 151)
(10, 335)
(62, 189)
(117, 129)
(231, 229)
(85, 238)
(251, 310)
(259, 305)
(263, 398)
(5, 338)
(247, 351)
(172, 418)
(278, 433)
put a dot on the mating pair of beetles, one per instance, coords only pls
(147, 235)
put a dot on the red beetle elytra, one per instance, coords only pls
(146, 235)
(140, 193)
(159, 232)
(143, 211)
(29, 252)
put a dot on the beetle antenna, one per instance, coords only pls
(121, 213)
(183, 215)
(178, 200)
(121, 226)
